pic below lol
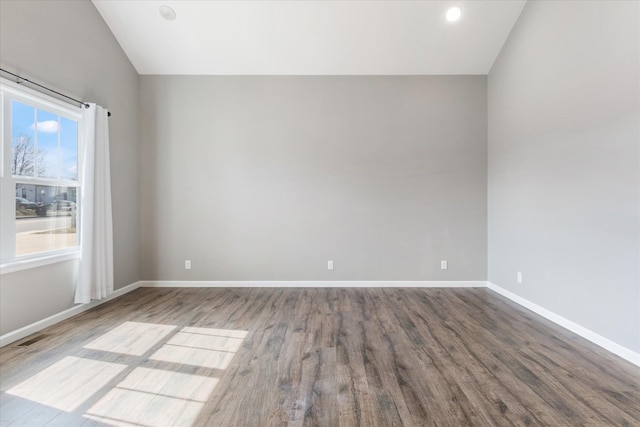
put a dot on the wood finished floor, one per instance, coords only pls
(321, 357)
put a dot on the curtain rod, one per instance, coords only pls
(22, 79)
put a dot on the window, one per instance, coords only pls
(40, 171)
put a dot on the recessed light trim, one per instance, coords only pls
(454, 14)
(167, 13)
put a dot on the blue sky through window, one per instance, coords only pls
(57, 139)
(68, 148)
(47, 127)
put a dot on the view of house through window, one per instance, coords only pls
(42, 161)
(49, 222)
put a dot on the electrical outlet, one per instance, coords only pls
(519, 277)
(443, 264)
(187, 264)
(329, 265)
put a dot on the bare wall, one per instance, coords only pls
(564, 164)
(268, 178)
(67, 46)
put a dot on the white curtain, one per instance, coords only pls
(95, 277)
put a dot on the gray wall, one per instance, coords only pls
(67, 46)
(267, 178)
(564, 164)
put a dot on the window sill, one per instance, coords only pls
(14, 266)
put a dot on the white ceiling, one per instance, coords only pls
(300, 37)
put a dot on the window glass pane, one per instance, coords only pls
(46, 218)
(47, 158)
(68, 149)
(22, 135)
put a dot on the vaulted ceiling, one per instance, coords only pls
(311, 37)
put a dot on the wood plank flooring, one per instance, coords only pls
(313, 357)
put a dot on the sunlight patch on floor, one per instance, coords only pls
(193, 356)
(154, 397)
(228, 333)
(132, 338)
(66, 384)
(206, 342)
(211, 348)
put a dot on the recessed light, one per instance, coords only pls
(167, 13)
(453, 14)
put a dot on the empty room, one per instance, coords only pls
(320, 213)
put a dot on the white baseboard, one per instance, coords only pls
(309, 284)
(18, 334)
(603, 342)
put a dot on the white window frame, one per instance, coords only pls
(9, 262)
